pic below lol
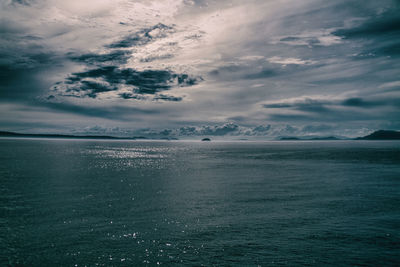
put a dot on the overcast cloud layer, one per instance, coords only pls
(188, 68)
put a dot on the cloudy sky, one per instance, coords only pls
(187, 68)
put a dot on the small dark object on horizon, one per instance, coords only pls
(206, 139)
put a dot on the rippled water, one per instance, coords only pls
(124, 203)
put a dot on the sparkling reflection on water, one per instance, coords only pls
(119, 203)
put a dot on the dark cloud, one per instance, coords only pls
(357, 102)
(243, 72)
(23, 59)
(226, 69)
(91, 89)
(391, 49)
(308, 104)
(369, 108)
(381, 34)
(168, 98)
(382, 24)
(144, 36)
(335, 115)
(27, 57)
(290, 39)
(21, 74)
(118, 56)
(21, 2)
(378, 101)
(312, 107)
(153, 58)
(132, 96)
(322, 106)
(278, 105)
(307, 41)
(109, 78)
(10, 30)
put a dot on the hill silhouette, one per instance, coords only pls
(381, 135)
(13, 134)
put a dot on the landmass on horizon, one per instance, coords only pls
(377, 135)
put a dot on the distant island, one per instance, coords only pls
(206, 139)
(289, 138)
(381, 135)
(294, 138)
(377, 135)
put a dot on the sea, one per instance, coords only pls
(71, 202)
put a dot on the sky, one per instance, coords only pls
(253, 69)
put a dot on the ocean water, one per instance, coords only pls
(135, 203)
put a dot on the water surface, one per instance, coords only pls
(122, 203)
